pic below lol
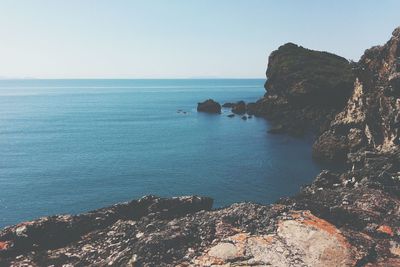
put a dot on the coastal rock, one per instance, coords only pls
(307, 77)
(239, 108)
(241, 234)
(301, 239)
(363, 201)
(371, 118)
(305, 89)
(329, 147)
(55, 231)
(209, 106)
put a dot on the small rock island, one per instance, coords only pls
(209, 106)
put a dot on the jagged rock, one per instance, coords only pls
(209, 106)
(326, 179)
(242, 234)
(370, 119)
(244, 118)
(329, 147)
(363, 201)
(231, 115)
(55, 231)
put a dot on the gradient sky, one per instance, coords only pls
(179, 38)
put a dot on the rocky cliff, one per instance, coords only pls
(370, 121)
(342, 219)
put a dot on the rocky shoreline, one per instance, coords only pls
(341, 219)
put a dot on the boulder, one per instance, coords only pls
(209, 106)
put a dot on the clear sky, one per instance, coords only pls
(179, 38)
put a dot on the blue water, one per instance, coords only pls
(68, 146)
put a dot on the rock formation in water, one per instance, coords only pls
(305, 88)
(341, 219)
(209, 106)
(239, 108)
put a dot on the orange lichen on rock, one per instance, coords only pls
(4, 245)
(385, 229)
(307, 218)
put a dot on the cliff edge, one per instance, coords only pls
(370, 121)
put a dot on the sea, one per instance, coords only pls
(70, 146)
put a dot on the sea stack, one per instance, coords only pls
(305, 88)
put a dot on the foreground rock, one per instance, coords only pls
(209, 106)
(371, 118)
(305, 88)
(363, 202)
(153, 233)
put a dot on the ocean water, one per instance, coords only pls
(68, 146)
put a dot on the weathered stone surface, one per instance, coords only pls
(209, 106)
(371, 118)
(329, 147)
(55, 231)
(240, 235)
(300, 239)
